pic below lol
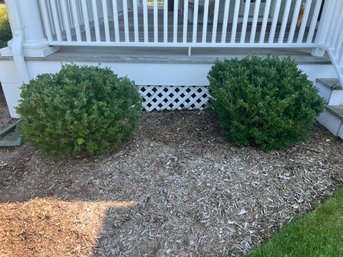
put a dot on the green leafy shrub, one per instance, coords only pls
(80, 109)
(5, 30)
(265, 102)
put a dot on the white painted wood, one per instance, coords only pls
(155, 21)
(294, 21)
(265, 21)
(336, 97)
(76, 21)
(160, 98)
(96, 20)
(135, 20)
(165, 21)
(235, 21)
(330, 121)
(255, 20)
(175, 24)
(126, 21)
(66, 19)
(274, 22)
(323, 91)
(304, 21)
(106, 22)
(334, 42)
(185, 21)
(115, 21)
(215, 21)
(314, 19)
(284, 21)
(56, 20)
(245, 20)
(46, 22)
(145, 21)
(195, 21)
(86, 20)
(225, 20)
(204, 23)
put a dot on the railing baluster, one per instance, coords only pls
(245, 20)
(304, 21)
(274, 22)
(235, 21)
(254, 22)
(195, 21)
(155, 21)
(106, 24)
(175, 25)
(76, 21)
(126, 21)
(115, 21)
(165, 21)
(204, 23)
(145, 21)
(284, 21)
(96, 20)
(265, 21)
(215, 21)
(225, 20)
(314, 21)
(185, 21)
(86, 20)
(135, 20)
(46, 22)
(294, 21)
(56, 20)
(66, 19)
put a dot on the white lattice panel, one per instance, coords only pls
(159, 98)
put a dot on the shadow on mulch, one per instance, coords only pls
(177, 188)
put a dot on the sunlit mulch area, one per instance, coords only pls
(176, 189)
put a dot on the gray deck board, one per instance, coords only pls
(173, 55)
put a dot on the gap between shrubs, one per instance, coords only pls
(265, 102)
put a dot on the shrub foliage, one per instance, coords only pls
(78, 109)
(5, 30)
(265, 102)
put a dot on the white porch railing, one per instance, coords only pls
(182, 23)
(40, 24)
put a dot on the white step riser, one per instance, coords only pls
(332, 97)
(336, 97)
(323, 91)
(340, 132)
(331, 122)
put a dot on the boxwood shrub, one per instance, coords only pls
(266, 102)
(79, 109)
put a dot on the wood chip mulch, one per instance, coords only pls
(176, 189)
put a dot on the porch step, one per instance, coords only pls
(331, 90)
(332, 119)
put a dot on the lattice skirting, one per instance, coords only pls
(159, 98)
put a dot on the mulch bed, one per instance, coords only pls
(176, 189)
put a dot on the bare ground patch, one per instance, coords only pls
(176, 189)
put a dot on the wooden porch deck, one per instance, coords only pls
(174, 55)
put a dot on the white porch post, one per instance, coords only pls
(29, 22)
(324, 27)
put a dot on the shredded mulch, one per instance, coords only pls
(176, 189)
(4, 114)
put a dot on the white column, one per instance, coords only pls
(25, 19)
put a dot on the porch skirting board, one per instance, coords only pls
(164, 86)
